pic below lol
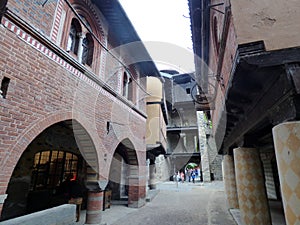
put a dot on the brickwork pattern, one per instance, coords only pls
(35, 13)
(46, 88)
(94, 207)
(229, 182)
(251, 189)
(136, 192)
(287, 148)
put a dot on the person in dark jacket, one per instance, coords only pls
(73, 193)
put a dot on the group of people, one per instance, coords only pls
(189, 175)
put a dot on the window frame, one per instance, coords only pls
(44, 164)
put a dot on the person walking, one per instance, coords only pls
(193, 175)
(182, 176)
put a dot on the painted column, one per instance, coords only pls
(287, 148)
(229, 182)
(252, 198)
(94, 207)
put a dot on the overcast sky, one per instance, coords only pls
(160, 20)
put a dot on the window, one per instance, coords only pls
(188, 91)
(87, 50)
(51, 167)
(73, 38)
(4, 87)
(130, 90)
(125, 85)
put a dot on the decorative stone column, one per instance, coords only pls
(287, 148)
(253, 202)
(229, 182)
(94, 207)
(80, 47)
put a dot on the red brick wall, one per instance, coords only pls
(44, 89)
(229, 55)
(33, 12)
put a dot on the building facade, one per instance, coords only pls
(72, 104)
(156, 137)
(182, 128)
(251, 49)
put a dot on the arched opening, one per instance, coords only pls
(124, 164)
(125, 84)
(55, 155)
(73, 38)
(192, 172)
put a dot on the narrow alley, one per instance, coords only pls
(187, 203)
(99, 124)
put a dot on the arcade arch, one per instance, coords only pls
(62, 149)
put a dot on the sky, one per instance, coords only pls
(161, 21)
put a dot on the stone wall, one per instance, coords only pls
(61, 215)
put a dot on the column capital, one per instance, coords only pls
(81, 35)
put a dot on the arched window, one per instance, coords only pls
(51, 167)
(73, 38)
(130, 90)
(87, 50)
(125, 85)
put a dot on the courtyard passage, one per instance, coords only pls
(185, 204)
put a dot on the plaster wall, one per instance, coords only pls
(273, 21)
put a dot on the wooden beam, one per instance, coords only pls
(278, 92)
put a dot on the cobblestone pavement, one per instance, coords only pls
(185, 204)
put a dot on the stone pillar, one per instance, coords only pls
(205, 167)
(94, 207)
(229, 182)
(205, 161)
(287, 148)
(136, 192)
(253, 202)
(152, 177)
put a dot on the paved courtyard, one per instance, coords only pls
(185, 204)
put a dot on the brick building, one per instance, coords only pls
(248, 71)
(72, 102)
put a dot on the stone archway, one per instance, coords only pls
(61, 148)
(124, 176)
